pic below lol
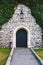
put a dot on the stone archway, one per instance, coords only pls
(21, 38)
(14, 36)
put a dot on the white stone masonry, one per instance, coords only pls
(22, 20)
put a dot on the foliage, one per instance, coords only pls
(6, 10)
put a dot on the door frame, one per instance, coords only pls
(28, 36)
(24, 43)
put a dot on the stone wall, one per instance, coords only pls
(27, 20)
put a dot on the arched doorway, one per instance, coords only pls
(21, 38)
(14, 36)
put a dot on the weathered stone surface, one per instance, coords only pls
(6, 34)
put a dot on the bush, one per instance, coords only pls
(6, 10)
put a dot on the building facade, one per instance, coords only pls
(21, 30)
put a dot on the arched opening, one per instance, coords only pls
(28, 36)
(21, 38)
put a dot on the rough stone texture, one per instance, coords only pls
(25, 19)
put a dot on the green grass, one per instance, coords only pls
(4, 53)
(39, 52)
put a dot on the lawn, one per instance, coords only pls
(4, 53)
(39, 52)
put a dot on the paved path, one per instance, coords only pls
(24, 56)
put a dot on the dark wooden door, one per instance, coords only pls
(21, 38)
